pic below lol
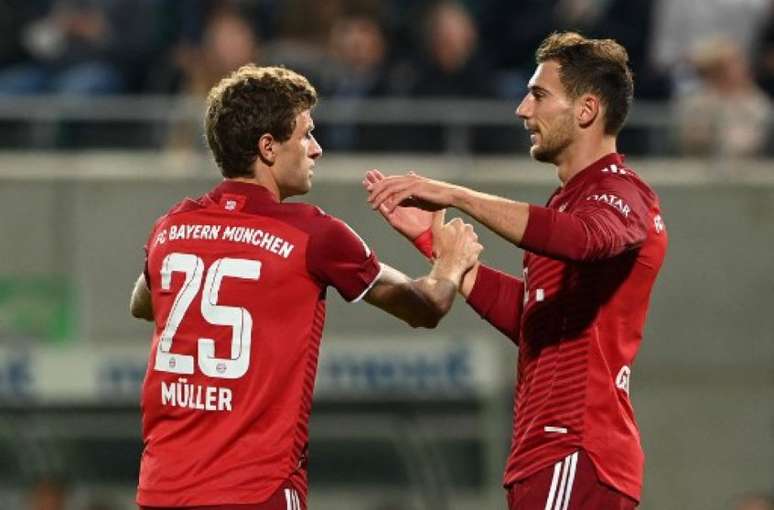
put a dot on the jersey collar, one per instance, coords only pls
(241, 196)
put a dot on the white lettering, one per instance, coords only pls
(228, 234)
(613, 201)
(210, 406)
(167, 393)
(286, 249)
(623, 377)
(224, 399)
(181, 393)
(254, 236)
(658, 223)
(267, 240)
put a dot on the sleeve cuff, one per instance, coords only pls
(485, 290)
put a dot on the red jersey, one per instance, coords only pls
(591, 258)
(238, 286)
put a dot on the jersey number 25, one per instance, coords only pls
(238, 318)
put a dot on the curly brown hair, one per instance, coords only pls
(247, 104)
(593, 66)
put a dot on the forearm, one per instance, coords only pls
(420, 302)
(506, 218)
(498, 298)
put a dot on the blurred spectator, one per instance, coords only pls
(764, 55)
(228, 42)
(48, 494)
(513, 30)
(83, 47)
(727, 114)
(630, 22)
(301, 42)
(359, 49)
(681, 24)
(754, 502)
(451, 64)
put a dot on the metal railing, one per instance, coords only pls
(457, 119)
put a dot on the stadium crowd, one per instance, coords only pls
(426, 49)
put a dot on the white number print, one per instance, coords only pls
(237, 317)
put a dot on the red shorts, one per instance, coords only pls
(286, 498)
(570, 484)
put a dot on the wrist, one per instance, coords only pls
(444, 269)
(424, 243)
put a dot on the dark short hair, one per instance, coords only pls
(247, 104)
(592, 66)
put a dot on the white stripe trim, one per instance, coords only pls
(288, 505)
(298, 501)
(552, 491)
(558, 430)
(373, 282)
(570, 480)
(563, 483)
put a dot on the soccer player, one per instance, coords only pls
(235, 281)
(591, 257)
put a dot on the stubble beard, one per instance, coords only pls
(554, 141)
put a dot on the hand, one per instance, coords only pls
(410, 190)
(409, 221)
(456, 247)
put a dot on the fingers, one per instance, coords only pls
(438, 219)
(373, 176)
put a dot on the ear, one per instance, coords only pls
(588, 109)
(267, 149)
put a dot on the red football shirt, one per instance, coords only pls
(591, 258)
(238, 286)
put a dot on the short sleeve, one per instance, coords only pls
(338, 256)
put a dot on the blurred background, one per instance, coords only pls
(100, 132)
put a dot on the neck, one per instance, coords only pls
(262, 177)
(580, 155)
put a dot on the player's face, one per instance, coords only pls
(296, 156)
(548, 114)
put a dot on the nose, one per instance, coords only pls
(524, 108)
(315, 151)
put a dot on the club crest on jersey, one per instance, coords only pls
(613, 201)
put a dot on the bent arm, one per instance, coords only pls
(140, 304)
(420, 302)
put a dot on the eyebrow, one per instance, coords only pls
(533, 88)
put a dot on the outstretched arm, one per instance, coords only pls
(506, 218)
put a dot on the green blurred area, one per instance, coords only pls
(37, 307)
